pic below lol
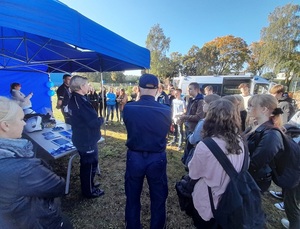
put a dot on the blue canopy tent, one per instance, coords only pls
(47, 36)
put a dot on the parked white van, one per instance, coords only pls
(224, 85)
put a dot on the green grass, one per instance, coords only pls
(108, 210)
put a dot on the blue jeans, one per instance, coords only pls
(110, 110)
(178, 134)
(153, 166)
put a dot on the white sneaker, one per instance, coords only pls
(277, 195)
(285, 223)
(280, 206)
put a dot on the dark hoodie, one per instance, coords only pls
(286, 106)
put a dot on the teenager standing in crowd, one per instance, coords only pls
(222, 123)
(110, 103)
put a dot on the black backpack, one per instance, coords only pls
(240, 204)
(184, 189)
(286, 164)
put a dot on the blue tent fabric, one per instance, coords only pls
(35, 82)
(39, 37)
(48, 32)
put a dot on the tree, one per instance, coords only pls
(281, 41)
(210, 59)
(158, 44)
(225, 55)
(269, 75)
(173, 65)
(255, 62)
(191, 61)
(117, 77)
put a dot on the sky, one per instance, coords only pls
(185, 22)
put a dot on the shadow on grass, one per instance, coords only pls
(108, 211)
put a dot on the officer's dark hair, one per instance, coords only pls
(66, 75)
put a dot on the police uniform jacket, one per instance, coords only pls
(85, 122)
(147, 123)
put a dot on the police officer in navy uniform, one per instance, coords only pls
(147, 123)
(85, 134)
(63, 96)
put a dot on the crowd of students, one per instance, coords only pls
(264, 112)
(111, 104)
(231, 121)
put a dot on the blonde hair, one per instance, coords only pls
(278, 88)
(296, 96)
(135, 89)
(270, 102)
(8, 109)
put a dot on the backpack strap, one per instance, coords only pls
(225, 163)
(222, 158)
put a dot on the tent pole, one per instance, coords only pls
(103, 105)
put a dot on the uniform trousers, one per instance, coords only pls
(88, 168)
(153, 167)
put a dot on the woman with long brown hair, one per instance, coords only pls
(122, 100)
(222, 124)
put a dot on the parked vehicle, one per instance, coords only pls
(224, 85)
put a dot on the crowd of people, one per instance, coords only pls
(150, 114)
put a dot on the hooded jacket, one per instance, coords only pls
(286, 106)
(29, 189)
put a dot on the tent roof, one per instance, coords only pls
(35, 32)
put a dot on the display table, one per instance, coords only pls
(54, 143)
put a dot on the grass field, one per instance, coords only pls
(108, 210)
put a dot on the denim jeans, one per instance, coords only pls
(178, 134)
(121, 115)
(110, 110)
(292, 206)
(153, 166)
(117, 111)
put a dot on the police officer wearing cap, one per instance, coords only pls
(147, 123)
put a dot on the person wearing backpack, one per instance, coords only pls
(264, 142)
(284, 102)
(269, 148)
(291, 195)
(222, 126)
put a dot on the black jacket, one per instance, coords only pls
(263, 144)
(85, 122)
(29, 189)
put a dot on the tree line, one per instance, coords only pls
(278, 50)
